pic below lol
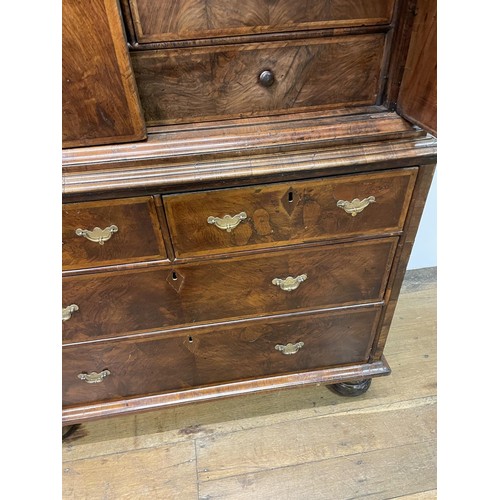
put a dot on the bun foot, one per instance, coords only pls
(68, 430)
(355, 388)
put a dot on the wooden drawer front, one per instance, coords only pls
(121, 303)
(157, 20)
(223, 82)
(214, 355)
(284, 214)
(137, 237)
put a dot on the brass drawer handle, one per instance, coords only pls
(97, 235)
(289, 283)
(355, 206)
(227, 222)
(289, 348)
(68, 311)
(94, 378)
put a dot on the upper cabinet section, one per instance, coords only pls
(195, 61)
(163, 21)
(99, 97)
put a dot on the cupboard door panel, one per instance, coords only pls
(417, 99)
(99, 96)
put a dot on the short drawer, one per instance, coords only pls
(133, 367)
(209, 83)
(111, 232)
(289, 213)
(120, 303)
(158, 21)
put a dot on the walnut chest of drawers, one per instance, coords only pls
(242, 189)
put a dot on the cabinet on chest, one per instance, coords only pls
(241, 195)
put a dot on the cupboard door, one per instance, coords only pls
(417, 99)
(100, 102)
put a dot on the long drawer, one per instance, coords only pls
(124, 302)
(116, 369)
(110, 232)
(157, 20)
(209, 83)
(230, 220)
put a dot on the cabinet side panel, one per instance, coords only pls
(402, 257)
(100, 103)
(417, 99)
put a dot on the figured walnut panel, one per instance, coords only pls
(214, 355)
(99, 96)
(417, 98)
(157, 20)
(138, 237)
(288, 213)
(182, 85)
(121, 303)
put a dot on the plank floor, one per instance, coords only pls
(298, 444)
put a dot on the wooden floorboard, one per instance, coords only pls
(150, 473)
(303, 444)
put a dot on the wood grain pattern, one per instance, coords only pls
(142, 300)
(204, 326)
(156, 20)
(399, 37)
(134, 476)
(303, 441)
(411, 348)
(215, 355)
(403, 252)
(417, 98)
(422, 495)
(237, 137)
(138, 238)
(361, 477)
(289, 213)
(340, 373)
(87, 181)
(300, 426)
(203, 84)
(99, 96)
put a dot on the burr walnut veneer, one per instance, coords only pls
(242, 186)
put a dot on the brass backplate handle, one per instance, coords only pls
(288, 284)
(68, 311)
(289, 348)
(94, 378)
(355, 206)
(98, 235)
(227, 222)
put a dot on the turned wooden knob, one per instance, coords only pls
(266, 78)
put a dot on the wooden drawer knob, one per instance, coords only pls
(266, 78)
